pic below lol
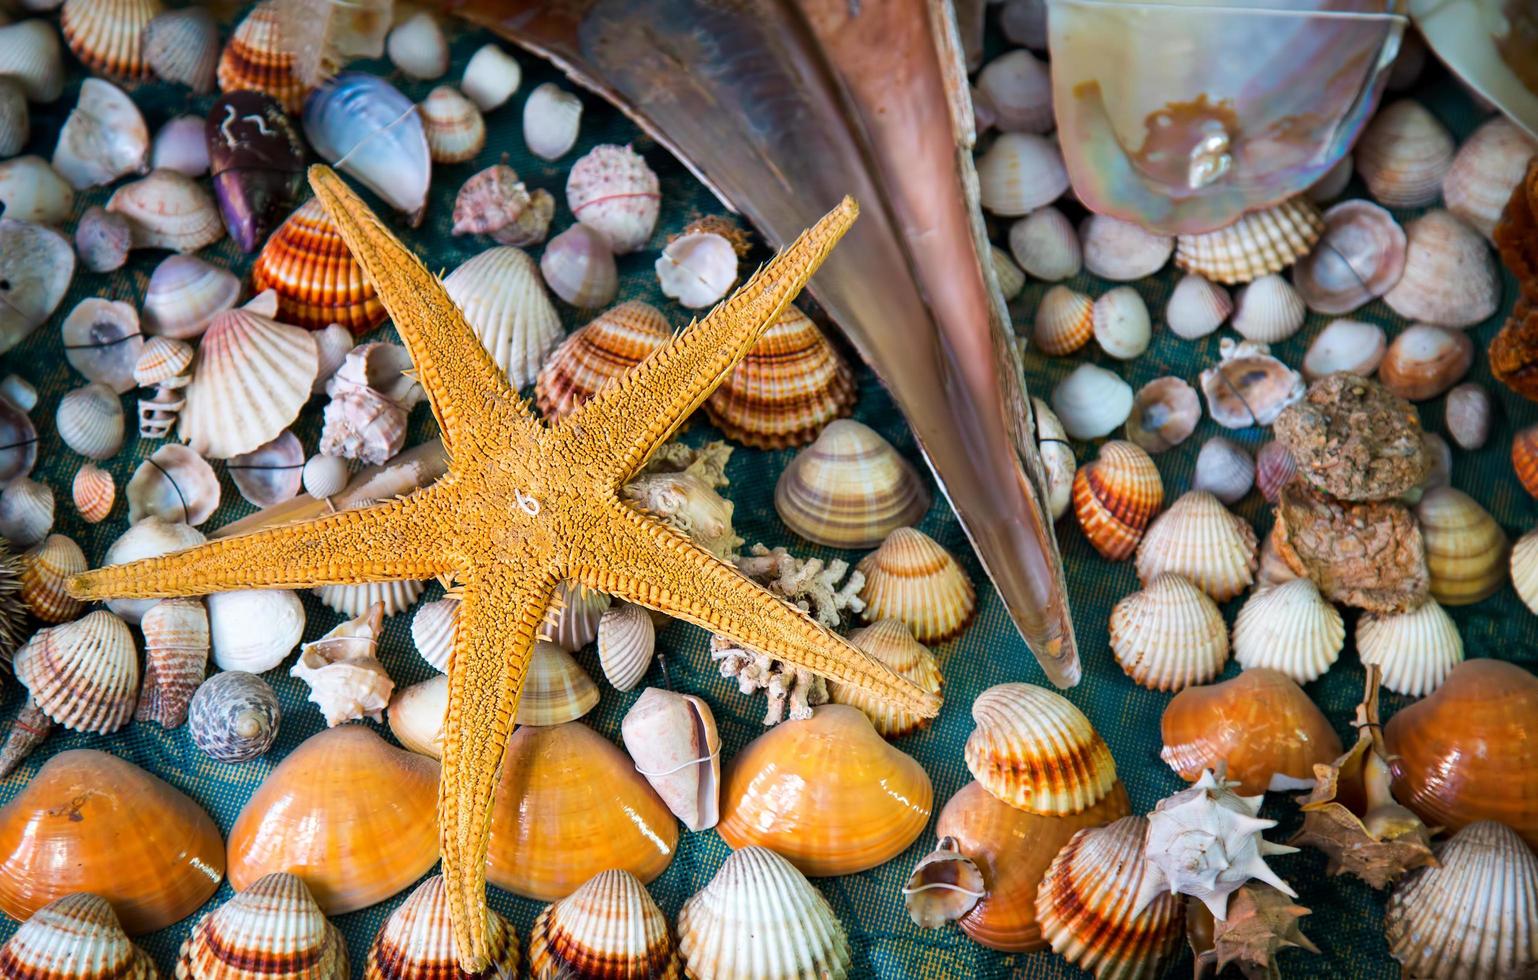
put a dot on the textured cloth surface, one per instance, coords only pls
(1346, 923)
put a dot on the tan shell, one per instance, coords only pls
(1035, 751)
(608, 928)
(1064, 321)
(105, 34)
(555, 688)
(849, 489)
(1465, 548)
(1488, 167)
(891, 642)
(1450, 278)
(45, 573)
(1524, 569)
(85, 674)
(416, 715)
(627, 641)
(1360, 257)
(1169, 636)
(455, 130)
(94, 493)
(1415, 650)
(1403, 154)
(1198, 538)
(273, 928)
(417, 940)
(176, 645)
(77, 937)
(598, 353)
(1115, 497)
(1259, 243)
(1423, 361)
(1289, 628)
(673, 740)
(911, 578)
(168, 210)
(1122, 250)
(1248, 386)
(1164, 414)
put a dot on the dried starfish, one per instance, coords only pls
(522, 507)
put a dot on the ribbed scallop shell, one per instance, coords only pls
(183, 46)
(1011, 278)
(604, 349)
(183, 296)
(85, 674)
(610, 927)
(162, 359)
(26, 512)
(1259, 243)
(271, 929)
(251, 378)
(355, 600)
(1064, 321)
(30, 51)
(94, 493)
(168, 210)
(627, 641)
(911, 578)
(1169, 636)
(317, 280)
(1116, 496)
(1197, 307)
(757, 893)
(233, 716)
(849, 488)
(45, 572)
(1524, 569)
(1290, 628)
(1524, 458)
(555, 688)
(891, 642)
(255, 57)
(1268, 310)
(612, 190)
(1465, 548)
(1450, 277)
(417, 941)
(1475, 916)
(1403, 154)
(1046, 245)
(503, 298)
(432, 631)
(1035, 751)
(791, 384)
(455, 130)
(1415, 650)
(1489, 165)
(105, 34)
(1274, 469)
(77, 937)
(90, 420)
(1199, 539)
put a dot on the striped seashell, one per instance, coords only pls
(1169, 636)
(77, 937)
(105, 34)
(271, 929)
(502, 296)
(1268, 310)
(26, 512)
(849, 488)
(1065, 320)
(233, 716)
(90, 420)
(911, 578)
(416, 715)
(29, 50)
(45, 573)
(1091, 402)
(756, 892)
(355, 600)
(614, 192)
(176, 645)
(1197, 307)
(555, 688)
(791, 384)
(1450, 278)
(416, 942)
(1037, 752)
(85, 674)
(1019, 173)
(184, 295)
(1524, 458)
(1524, 569)
(162, 359)
(1403, 154)
(627, 639)
(183, 46)
(168, 210)
(1116, 496)
(1198, 538)
(251, 378)
(578, 267)
(1465, 547)
(1274, 469)
(1289, 628)
(1046, 245)
(610, 927)
(256, 58)
(572, 622)
(317, 280)
(1488, 167)
(1259, 243)
(94, 493)
(1415, 650)
(1087, 904)
(455, 130)
(891, 642)
(597, 353)
(432, 631)
(324, 476)
(1011, 278)
(673, 741)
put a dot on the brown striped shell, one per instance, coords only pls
(176, 647)
(601, 351)
(1259, 243)
(1034, 750)
(849, 489)
(608, 928)
(271, 929)
(104, 34)
(317, 280)
(1116, 496)
(85, 674)
(911, 578)
(417, 941)
(77, 937)
(46, 569)
(255, 57)
(891, 642)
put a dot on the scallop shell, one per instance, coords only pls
(168, 210)
(31, 190)
(39, 263)
(353, 600)
(610, 927)
(1065, 320)
(455, 130)
(1488, 167)
(1268, 310)
(1169, 636)
(1249, 386)
(791, 384)
(1345, 345)
(1465, 547)
(26, 512)
(162, 360)
(1524, 569)
(1057, 462)
(1467, 414)
(1290, 628)
(579, 268)
(1524, 458)
(1198, 538)
(104, 34)
(45, 573)
(1046, 245)
(1019, 173)
(254, 629)
(1011, 278)
(503, 299)
(183, 46)
(417, 47)
(1115, 497)
(1197, 307)
(1034, 750)
(103, 138)
(552, 118)
(317, 280)
(1414, 650)
(90, 421)
(1403, 154)
(491, 77)
(233, 717)
(417, 940)
(1091, 402)
(270, 473)
(756, 892)
(574, 624)
(185, 294)
(1260, 243)
(102, 342)
(272, 928)
(175, 658)
(1121, 250)
(103, 239)
(890, 642)
(555, 688)
(1122, 325)
(417, 714)
(432, 631)
(1224, 469)
(175, 484)
(849, 489)
(673, 740)
(77, 937)
(93, 492)
(147, 539)
(604, 349)
(612, 190)
(1424, 361)
(1259, 724)
(84, 675)
(911, 578)
(251, 378)
(698, 268)
(627, 639)
(1361, 257)
(29, 52)
(1449, 277)
(1018, 86)
(1164, 414)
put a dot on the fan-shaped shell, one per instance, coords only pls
(168, 210)
(175, 484)
(272, 928)
(578, 267)
(1290, 628)
(555, 688)
(1403, 154)
(1091, 402)
(93, 492)
(1259, 243)
(184, 295)
(1268, 310)
(1414, 650)
(39, 263)
(45, 573)
(911, 578)
(1065, 320)
(673, 740)
(575, 624)
(162, 359)
(30, 51)
(455, 130)
(1197, 307)
(1019, 173)
(1449, 279)
(1169, 636)
(627, 640)
(601, 351)
(1034, 750)
(1489, 165)
(1198, 538)
(417, 940)
(354, 600)
(16, 124)
(432, 631)
(1116, 496)
(233, 716)
(85, 674)
(77, 937)
(251, 378)
(1524, 569)
(891, 642)
(1360, 257)
(105, 34)
(270, 473)
(317, 280)
(697, 268)
(503, 298)
(90, 421)
(183, 46)
(610, 927)
(614, 192)
(1423, 361)
(148, 538)
(849, 489)
(1465, 548)
(26, 511)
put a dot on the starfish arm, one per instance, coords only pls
(627, 420)
(499, 619)
(645, 562)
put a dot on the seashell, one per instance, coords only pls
(26, 512)
(1057, 462)
(568, 805)
(15, 119)
(354, 600)
(1011, 278)
(1441, 456)
(1249, 386)
(272, 928)
(552, 118)
(610, 927)
(83, 675)
(1115, 497)
(1091, 402)
(1403, 154)
(555, 688)
(1034, 750)
(1019, 88)
(627, 640)
(416, 715)
(93, 492)
(90, 421)
(1345, 345)
(790, 385)
(849, 489)
(1025, 22)
(1467, 415)
(317, 280)
(1424, 361)
(604, 349)
(612, 191)
(1333, 184)
(417, 940)
(1121, 250)
(1065, 320)
(168, 210)
(673, 740)
(254, 629)
(346, 679)
(102, 341)
(31, 190)
(1472, 914)
(1012, 849)
(102, 239)
(1164, 413)
(251, 378)
(29, 53)
(911, 578)
(454, 127)
(573, 620)
(891, 642)
(1259, 724)
(418, 47)
(578, 267)
(45, 573)
(1274, 569)
(1449, 277)
(103, 138)
(1274, 469)
(175, 484)
(39, 264)
(18, 392)
(1488, 167)
(365, 127)
(233, 717)
(1465, 547)
(759, 893)
(147, 539)
(182, 46)
(1046, 245)
(184, 294)
(1361, 257)
(432, 630)
(1258, 244)
(1224, 469)
(1196, 307)
(270, 473)
(354, 813)
(1415, 650)
(175, 658)
(504, 302)
(324, 476)
(1090, 908)
(491, 77)
(1019, 173)
(1268, 311)
(1289, 628)
(77, 936)
(91, 822)
(1463, 753)
(1169, 636)
(1524, 458)
(332, 344)
(494, 202)
(1122, 326)
(697, 269)
(257, 161)
(104, 34)
(1198, 538)
(1524, 569)
(362, 424)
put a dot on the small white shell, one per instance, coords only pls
(176, 484)
(503, 299)
(30, 53)
(612, 191)
(1046, 245)
(1091, 402)
(332, 345)
(185, 294)
(453, 125)
(1197, 307)
(1345, 345)
(254, 629)
(1019, 88)
(432, 631)
(346, 680)
(1121, 250)
(90, 421)
(1489, 165)
(31, 190)
(1468, 414)
(324, 476)
(1415, 650)
(574, 624)
(1224, 469)
(418, 47)
(673, 740)
(1289, 628)
(579, 268)
(552, 118)
(491, 77)
(26, 512)
(1169, 636)
(627, 639)
(1123, 327)
(416, 715)
(168, 210)
(104, 137)
(1019, 173)
(1269, 310)
(696, 269)
(147, 539)
(19, 392)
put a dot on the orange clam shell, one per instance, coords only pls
(317, 280)
(1116, 496)
(91, 822)
(1524, 458)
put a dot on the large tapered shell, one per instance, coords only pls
(176, 647)
(1450, 278)
(555, 688)
(758, 893)
(1290, 628)
(911, 578)
(251, 378)
(604, 349)
(272, 928)
(1465, 547)
(77, 937)
(417, 940)
(168, 210)
(45, 574)
(891, 642)
(85, 674)
(317, 280)
(1524, 569)
(1034, 750)
(1474, 914)
(673, 740)
(608, 928)
(1199, 539)
(105, 34)
(849, 489)
(1116, 496)
(1415, 650)
(256, 57)
(503, 298)
(1169, 635)
(1259, 243)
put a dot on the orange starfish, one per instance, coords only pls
(523, 507)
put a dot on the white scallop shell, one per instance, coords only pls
(175, 484)
(1046, 245)
(627, 639)
(1169, 635)
(1197, 307)
(418, 47)
(252, 376)
(1268, 310)
(103, 138)
(30, 53)
(90, 421)
(168, 210)
(185, 294)
(26, 512)
(353, 600)
(1019, 173)
(432, 631)
(573, 619)
(31, 190)
(1403, 154)
(552, 118)
(147, 539)
(1289, 628)
(1091, 402)
(491, 77)
(503, 298)
(1121, 250)
(254, 629)
(1198, 538)
(1414, 650)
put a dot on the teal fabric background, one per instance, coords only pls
(1346, 923)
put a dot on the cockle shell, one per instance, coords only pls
(84, 675)
(417, 940)
(91, 822)
(1169, 636)
(103, 138)
(575, 623)
(432, 631)
(1046, 245)
(353, 600)
(1259, 724)
(185, 294)
(455, 130)
(1524, 569)
(102, 341)
(627, 640)
(168, 210)
(180, 145)
(175, 656)
(30, 53)
(1449, 276)
(1468, 414)
(555, 688)
(1197, 307)
(1019, 173)
(233, 716)
(31, 190)
(1274, 469)
(1121, 250)
(77, 937)
(175, 484)
(1345, 345)
(1423, 361)
(597, 353)
(1465, 547)
(1091, 402)
(610, 927)
(1268, 310)
(26, 512)
(578, 266)
(911, 578)
(552, 118)
(698, 268)
(1403, 154)
(672, 738)
(1034, 750)
(612, 190)
(1361, 257)
(1415, 650)
(252, 376)
(90, 421)
(147, 539)
(316, 279)
(346, 679)
(849, 489)
(891, 642)
(183, 46)
(324, 476)
(503, 299)
(791, 384)
(1260, 243)
(45, 573)
(418, 47)
(270, 473)
(1249, 386)
(1488, 167)
(1019, 88)
(1198, 538)
(254, 629)
(1290, 628)
(1115, 497)
(494, 202)
(104, 34)
(39, 264)
(352, 813)
(365, 127)
(93, 492)
(102, 239)
(272, 928)
(1524, 458)
(417, 713)
(1057, 461)
(1164, 414)
(1065, 320)
(1121, 323)
(491, 77)
(257, 58)
(758, 893)
(1224, 469)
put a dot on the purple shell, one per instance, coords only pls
(257, 162)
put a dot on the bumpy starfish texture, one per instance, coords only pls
(522, 507)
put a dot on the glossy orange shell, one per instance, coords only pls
(1524, 458)
(791, 384)
(1115, 497)
(315, 276)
